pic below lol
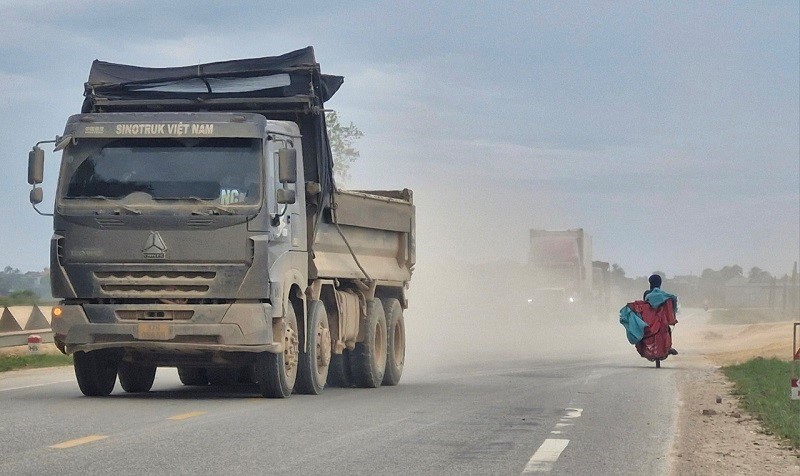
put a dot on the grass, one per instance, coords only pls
(763, 385)
(746, 316)
(19, 362)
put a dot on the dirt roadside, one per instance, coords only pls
(48, 349)
(720, 438)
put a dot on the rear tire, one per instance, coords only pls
(368, 359)
(276, 373)
(315, 361)
(135, 378)
(658, 364)
(395, 341)
(193, 376)
(339, 370)
(96, 371)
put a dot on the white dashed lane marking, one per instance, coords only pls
(543, 459)
(547, 454)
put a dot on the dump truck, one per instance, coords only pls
(197, 225)
(560, 271)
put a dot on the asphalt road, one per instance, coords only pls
(575, 402)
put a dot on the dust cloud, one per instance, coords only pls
(465, 313)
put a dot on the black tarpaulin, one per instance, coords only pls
(292, 75)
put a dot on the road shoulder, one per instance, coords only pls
(720, 438)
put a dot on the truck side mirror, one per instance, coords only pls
(36, 196)
(286, 196)
(287, 166)
(35, 166)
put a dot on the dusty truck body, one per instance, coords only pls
(560, 271)
(197, 225)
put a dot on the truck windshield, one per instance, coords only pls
(222, 170)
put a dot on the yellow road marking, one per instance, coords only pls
(79, 441)
(184, 416)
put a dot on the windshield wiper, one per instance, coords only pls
(213, 208)
(127, 208)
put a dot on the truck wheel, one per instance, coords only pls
(276, 373)
(368, 359)
(395, 341)
(96, 371)
(193, 376)
(339, 370)
(314, 363)
(136, 378)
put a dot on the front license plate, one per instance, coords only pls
(154, 331)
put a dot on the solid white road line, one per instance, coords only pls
(547, 454)
(34, 386)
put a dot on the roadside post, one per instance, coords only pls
(795, 386)
(34, 344)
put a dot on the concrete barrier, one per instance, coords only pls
(19, 322)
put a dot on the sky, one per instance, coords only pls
(669, 131)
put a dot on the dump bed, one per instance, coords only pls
(380, 230)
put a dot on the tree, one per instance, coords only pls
(758, 275)
(10, 280)
(729, 272)
(342, 139)
(20, 298)
(617, 275)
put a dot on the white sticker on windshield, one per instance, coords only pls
(231, 195)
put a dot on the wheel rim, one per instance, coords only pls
(290, 353)
(323, 347)
(399, 345)
(380, 346)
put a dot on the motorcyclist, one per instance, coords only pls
(655, 282)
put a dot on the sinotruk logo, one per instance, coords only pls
(155, 248)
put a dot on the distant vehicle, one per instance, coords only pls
(197, 225)
(562, 274)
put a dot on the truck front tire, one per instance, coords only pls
(276, 373)
(315, 361)
(395, 341)
(96, 371)
(135, 378)
(368, 359)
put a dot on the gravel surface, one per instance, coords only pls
(715, 436)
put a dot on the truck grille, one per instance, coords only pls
(161, 315)
(155, 283)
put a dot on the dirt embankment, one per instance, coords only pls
(714, 435)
